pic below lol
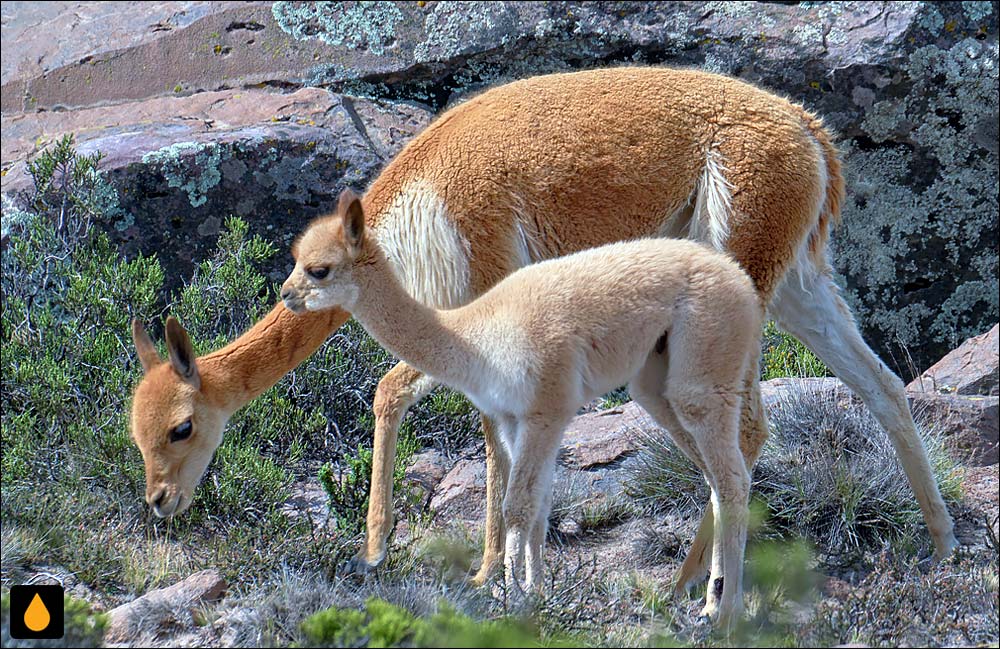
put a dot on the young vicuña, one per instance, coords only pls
(677, 321)
(541, 168)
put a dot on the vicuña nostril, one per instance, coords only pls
(158, 502)
(286, 293)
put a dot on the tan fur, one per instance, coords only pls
(228, 378)
(552, 336)
(559, 163)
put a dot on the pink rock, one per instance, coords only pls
(970, 424)
(604, 437)
(427, 469)
(971, 369)
(463, 490)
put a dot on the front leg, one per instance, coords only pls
(397, 392)
(497, 468)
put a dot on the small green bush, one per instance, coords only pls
(385, 625)
(784, 356)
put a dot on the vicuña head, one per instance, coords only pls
(181, 405)
(325, 255)
(175, 424)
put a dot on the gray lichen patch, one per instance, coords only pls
(192, 167)
(364, 25)
(920, 227)
(459, 28)
(976, 11)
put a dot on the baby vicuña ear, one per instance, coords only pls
(181, 353)
(353, 216)
(144, 346)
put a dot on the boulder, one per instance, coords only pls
(117, 52)
(911, 88)
(427, 468)
(182, 165)
(971, 424)
(462, 491)
(972, 369)
(601, 438)
(424, 473)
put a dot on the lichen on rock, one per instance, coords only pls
(920, 227)
(366, 25)
(190, 166)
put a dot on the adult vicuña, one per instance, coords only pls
(677, 320)
(544, 167)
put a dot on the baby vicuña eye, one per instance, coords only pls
(318, 272)
(181, 432)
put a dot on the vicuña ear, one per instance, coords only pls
(354, 219)
(181, 353)
(144, 347)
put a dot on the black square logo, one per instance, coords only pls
(36, 612)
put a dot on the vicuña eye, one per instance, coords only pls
(181, 432)
(318, 272)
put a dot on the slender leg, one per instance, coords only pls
(532, 466)
(397, 391)
(696, 563)
(753, 434)
(497, 468)
(648, 390)
(712, 419)
(536, 542)
(808, 305)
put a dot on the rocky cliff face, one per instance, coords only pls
(268, 111)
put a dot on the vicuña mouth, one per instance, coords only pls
(168, 509)
(295, 305)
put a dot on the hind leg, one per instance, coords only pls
(648, 390)
(808, 306)
(712, 417)
(753, 434)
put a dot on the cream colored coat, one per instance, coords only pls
(677, 320)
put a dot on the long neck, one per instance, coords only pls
(423, 337)
(275, 345)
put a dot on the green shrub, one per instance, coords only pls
(347, 488)
(783, 355)
(385, 625)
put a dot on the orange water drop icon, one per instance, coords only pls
(37, 616)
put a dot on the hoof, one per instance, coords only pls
(944, 548)
(685, 589)
(357, 566)
(485, 573)
(479, 579)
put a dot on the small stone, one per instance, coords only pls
(142, 618)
